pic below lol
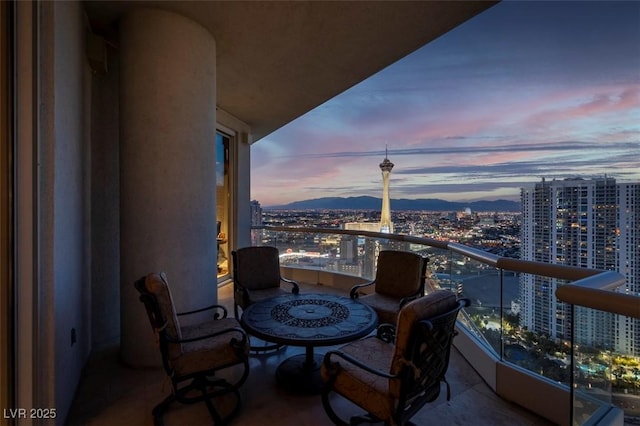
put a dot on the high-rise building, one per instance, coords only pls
(256, 213)
(371, 247)
(628, 260)
(349, 257)
(385, 215)
(589, 223)
(349, 249)
(256, 220)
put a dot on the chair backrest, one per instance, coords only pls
(156, 296)
(424, 334)
(399, 273)
(256, 267)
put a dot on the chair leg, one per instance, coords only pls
(210, 389)
(158, 410)
(217, 420)
(226, 390)
(364, 418)
(353, 421)
(329, 409)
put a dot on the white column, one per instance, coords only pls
(167, 167)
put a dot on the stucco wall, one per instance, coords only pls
(64, 291)
(105, 206)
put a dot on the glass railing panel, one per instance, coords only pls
(481, 284)
(530, 316)
(353, 255)
(438, 268)
(625, 371)
(304, 249)
(605, 370)
(348, 254)
(514, 346)
(356, 255)
(512, 314)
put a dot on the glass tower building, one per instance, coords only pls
(590, 223)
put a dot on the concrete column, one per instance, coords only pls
(167, 167)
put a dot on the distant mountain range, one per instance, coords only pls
(373, 203)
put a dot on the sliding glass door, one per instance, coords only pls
(223, 202)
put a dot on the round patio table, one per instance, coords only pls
(307, 320)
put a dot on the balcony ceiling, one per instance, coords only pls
(276, 60)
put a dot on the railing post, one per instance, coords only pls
(502, 334)
(450, 268)
(572, 374)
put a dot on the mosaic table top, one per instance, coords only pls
(309, 319)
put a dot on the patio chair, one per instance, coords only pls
(393, 379)
(399, 279)
(256, 276)
(191, 355)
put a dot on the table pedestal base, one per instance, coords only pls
(296, 374)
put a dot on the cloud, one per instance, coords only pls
(524, 90)
(567, 146)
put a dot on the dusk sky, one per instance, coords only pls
(522, 91)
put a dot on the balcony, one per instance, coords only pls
(111, 393)
(490, 384)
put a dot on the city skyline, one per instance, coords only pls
(523, 91)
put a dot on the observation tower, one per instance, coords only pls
(385, 216)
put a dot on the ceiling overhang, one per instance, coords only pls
(277, 60)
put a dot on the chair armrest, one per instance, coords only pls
(346, 357)
(209, 335)
(354, 290)
(408, 299)
(240, 294)
(215, 316)
(295, 287)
